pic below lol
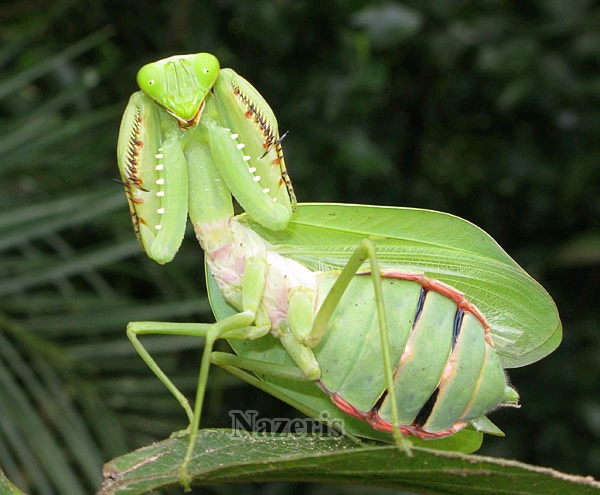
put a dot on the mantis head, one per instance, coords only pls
(180, 84)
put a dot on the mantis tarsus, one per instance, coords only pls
(341, 297)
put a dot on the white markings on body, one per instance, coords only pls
(159, 168)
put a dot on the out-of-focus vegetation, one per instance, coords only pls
(483, 109)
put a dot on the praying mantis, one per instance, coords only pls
(398, 322)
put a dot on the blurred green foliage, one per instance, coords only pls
(485, 109)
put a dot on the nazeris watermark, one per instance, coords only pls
(250, 421)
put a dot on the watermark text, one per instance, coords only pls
(249, 421)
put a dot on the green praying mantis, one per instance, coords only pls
(390, 321)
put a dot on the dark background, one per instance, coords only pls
(483, 109)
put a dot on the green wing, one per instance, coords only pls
(524, 319)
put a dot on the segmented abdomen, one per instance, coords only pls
(445, 369)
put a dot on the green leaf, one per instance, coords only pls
(6, 487)
(227, 456)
